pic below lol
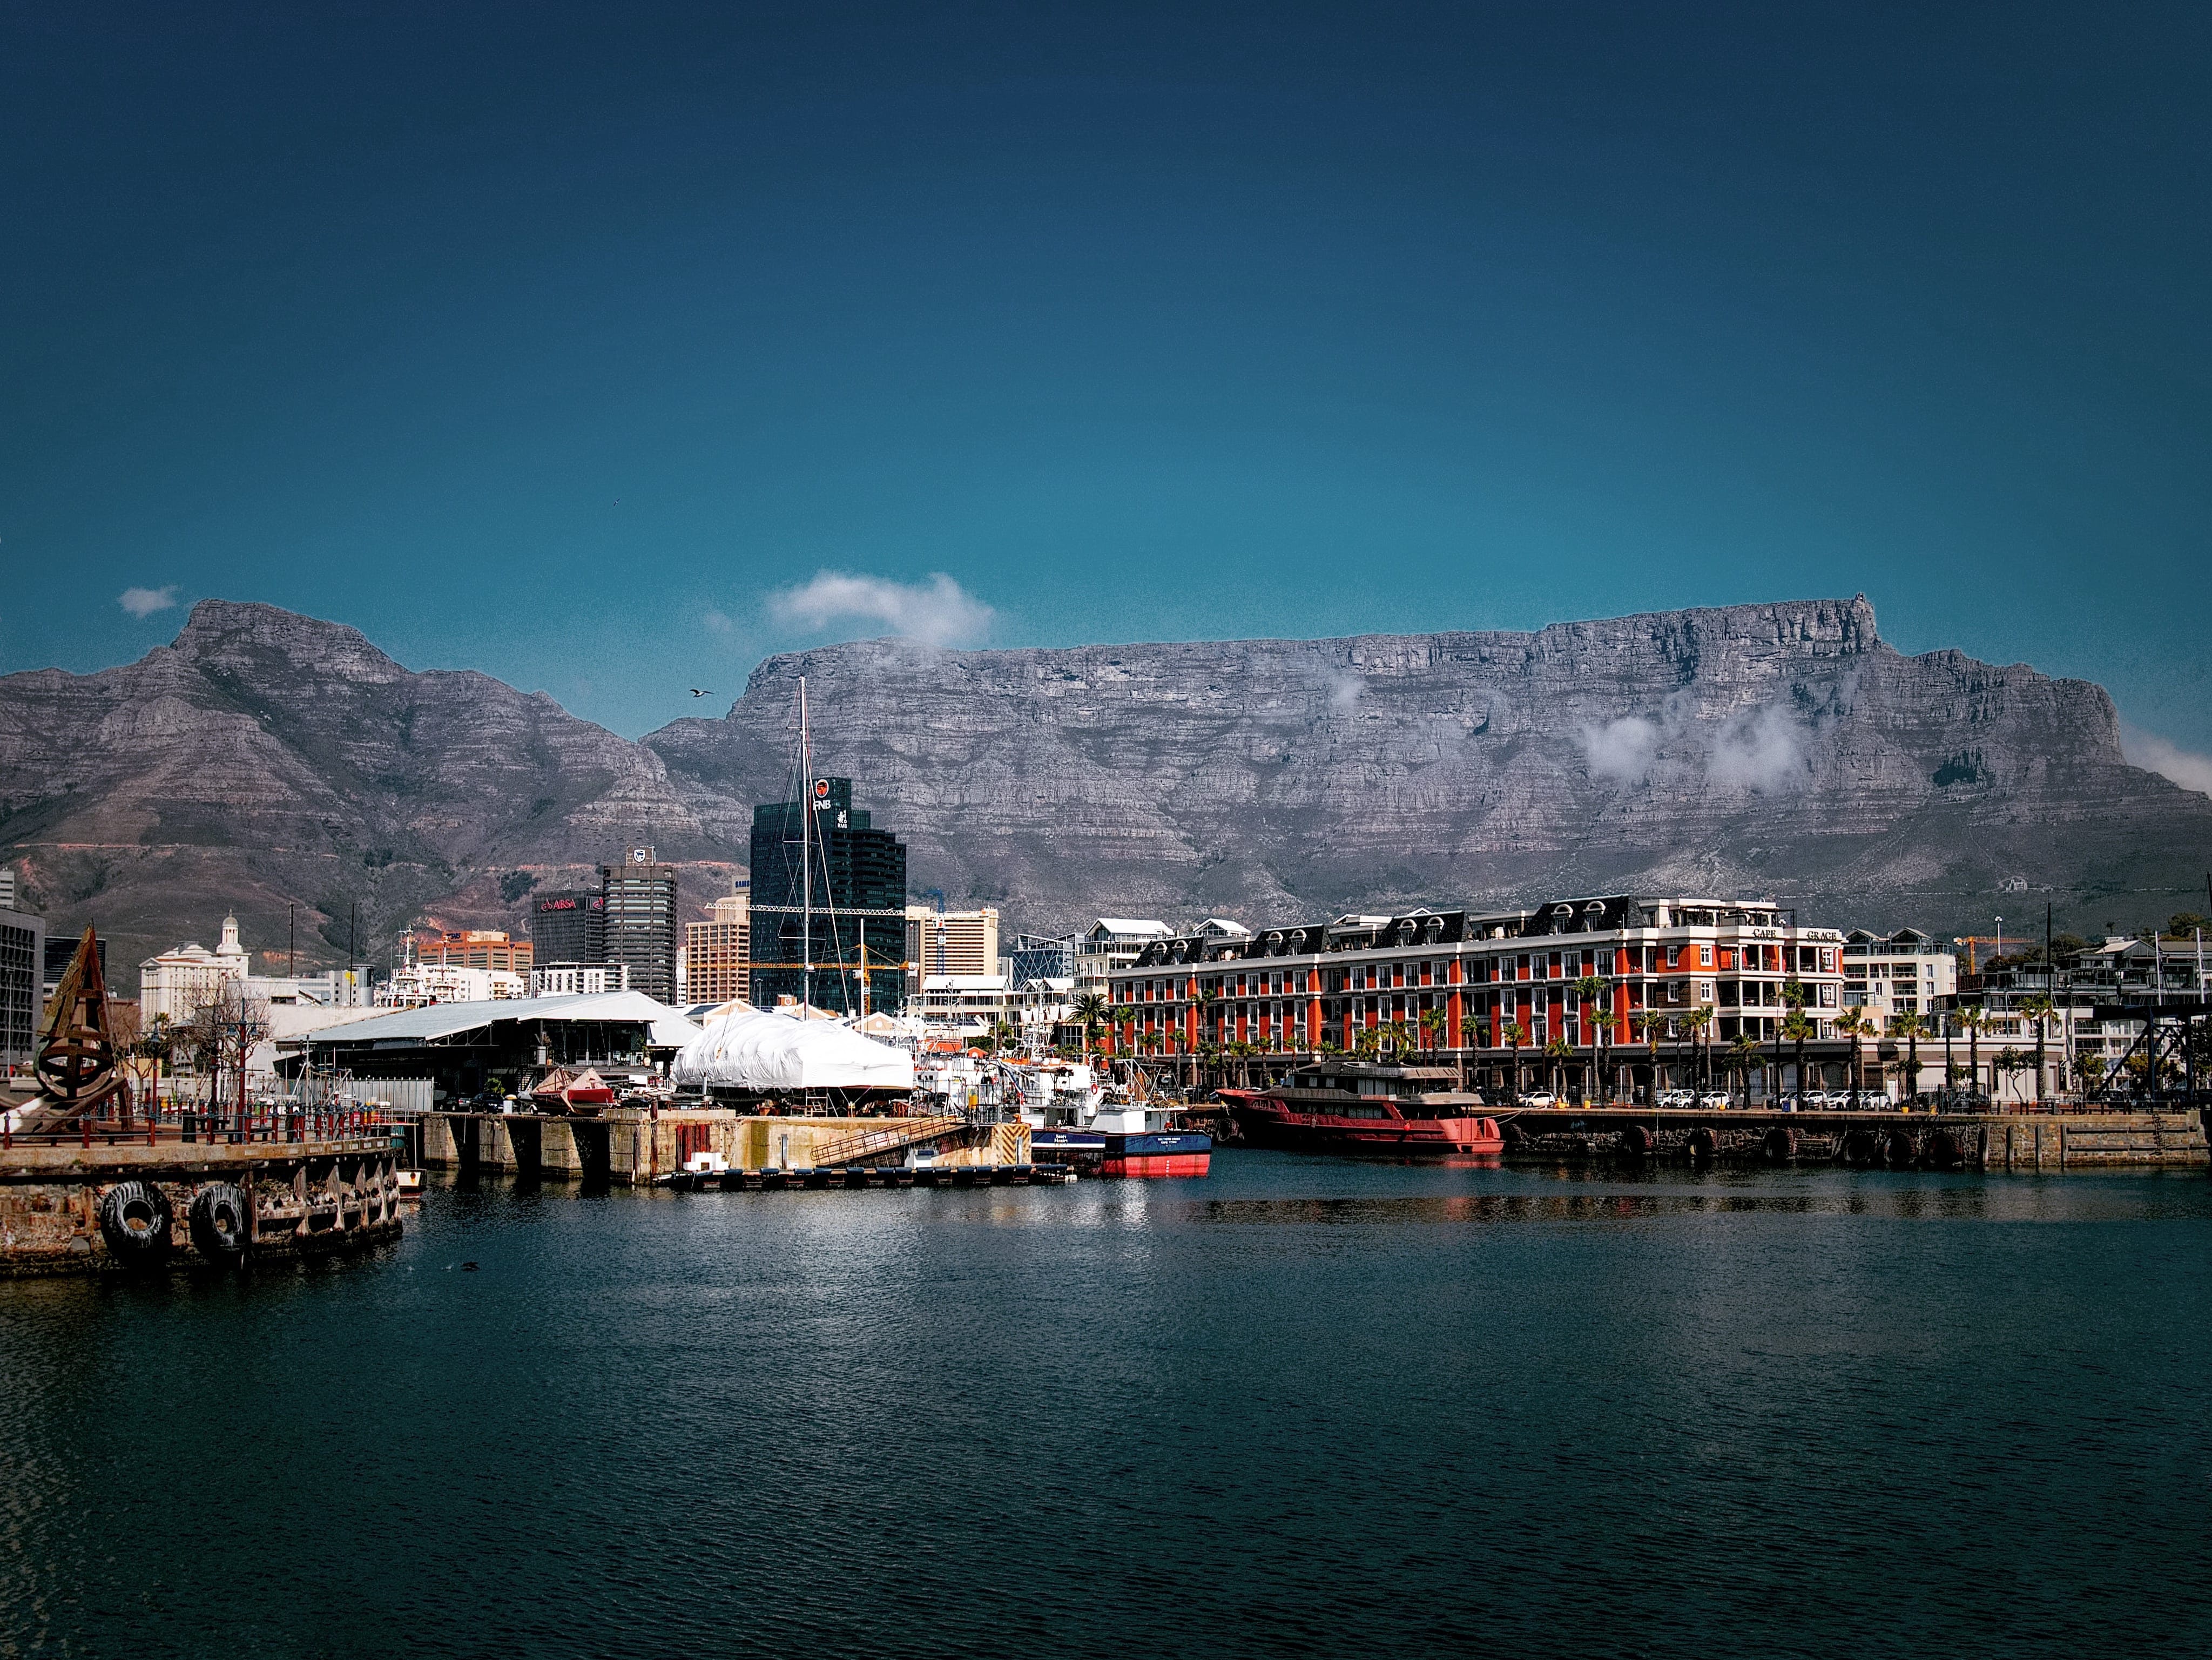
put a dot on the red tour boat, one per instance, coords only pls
(1356, 1106)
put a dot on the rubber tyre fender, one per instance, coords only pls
(1944, 1151)
(1704, 1144)
(1637, 1142)
(1779, 1144)
(1861, 1149)
(1900, 1150)
(217, 1219)
(134, 1222)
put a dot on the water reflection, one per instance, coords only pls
(1301, 1406)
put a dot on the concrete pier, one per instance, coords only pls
(1995, 1141)
(627, 1148)
(301, 1198)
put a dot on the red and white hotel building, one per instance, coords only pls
(1284, 990)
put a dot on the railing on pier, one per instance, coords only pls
(214, 1127)
(896, 1136)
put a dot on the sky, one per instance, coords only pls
(607, 349)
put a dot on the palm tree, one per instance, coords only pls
(1202, 1001)
(1910, 1028)
(1590, 989)
(2038, 1009)
(1796, 1028)
(1973, 1019)
(1242, 1051)
(1645, 1022)
(1092, 1011)
(1515, 1035)
(1431, 1022)
(1794, 999)
(1744, 1051)
(1701, 1021)
(1557, 1051)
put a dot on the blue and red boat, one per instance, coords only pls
(1124, 1153)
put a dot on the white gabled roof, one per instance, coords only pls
(669, 1029)
(1123, 927)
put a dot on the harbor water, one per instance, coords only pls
(1304, 1405)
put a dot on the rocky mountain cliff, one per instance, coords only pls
(1777, 749)
(265, 757)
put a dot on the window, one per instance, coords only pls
(1673, 957)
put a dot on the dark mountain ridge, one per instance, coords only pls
(264, 757)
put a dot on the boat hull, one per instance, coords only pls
(1268, 1124)
(1148, 1153)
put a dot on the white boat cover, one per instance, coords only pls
(761, 1049)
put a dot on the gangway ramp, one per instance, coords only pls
(897, 1134)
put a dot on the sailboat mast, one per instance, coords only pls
(805, 853)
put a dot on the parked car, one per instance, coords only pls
(1714, 1101)
(1677, 1098)
(1540, 1098)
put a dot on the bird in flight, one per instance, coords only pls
(695, 692)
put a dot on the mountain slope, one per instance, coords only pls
(1777, 748)
(264, 757)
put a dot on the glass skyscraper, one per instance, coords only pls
(859, 903)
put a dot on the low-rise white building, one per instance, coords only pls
(420, 984)
(1110, 943)
(1908, 972)
(1043, 1007)
(966, 1005)
(178, 982)
(583, 980)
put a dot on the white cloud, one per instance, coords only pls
(938, 612)
(1762, 750)
(144, 602)
(1345, 691)
(718, 622)
(2151, 753)
(1623, 751)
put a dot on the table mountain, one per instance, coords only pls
(1777, 749)
(264, 757)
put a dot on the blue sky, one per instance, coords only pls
(559, 343)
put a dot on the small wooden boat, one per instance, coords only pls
(568, 1092)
